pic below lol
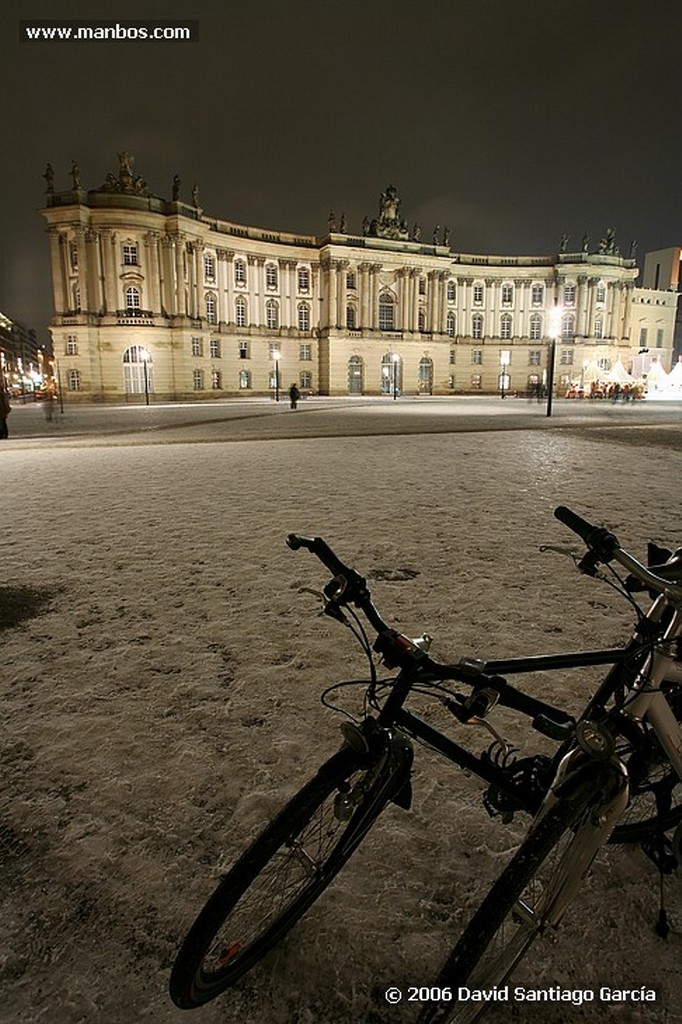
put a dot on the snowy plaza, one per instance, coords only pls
(161, 699)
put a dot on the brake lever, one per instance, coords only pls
(561, 550)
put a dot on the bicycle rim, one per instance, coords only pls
(514, 915)
(278, 878)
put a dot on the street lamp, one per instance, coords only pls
(145, 359)
(554, 329)
(505, 359)
(395, 358)
(276, 355)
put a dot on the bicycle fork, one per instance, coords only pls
(591, 775)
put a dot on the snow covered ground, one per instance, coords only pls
(162, 701)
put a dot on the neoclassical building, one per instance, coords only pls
(153, 297)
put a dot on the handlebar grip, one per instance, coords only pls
(597, 538)
(294, 541)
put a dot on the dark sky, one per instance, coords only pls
(510, 121)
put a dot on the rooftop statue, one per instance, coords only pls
(49, 178)
(75, 174)
(126, 181)
(389, 224)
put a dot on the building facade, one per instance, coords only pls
(154, 297)
(24, 363)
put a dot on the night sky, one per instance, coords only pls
(510, 121)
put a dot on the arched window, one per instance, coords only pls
(477, 326)
(355, 375)
(450, 325)
(74, 380)
(567, 325)
(535, 327)
(303, 316)
(244, 379)
(132, 295)
(425, 376)
(386, 312)
(240, 311)
(138, 371)
(272, 314)
(350, 318)
(506, 326)
(391, 374)
(239, 272)
(210, 307)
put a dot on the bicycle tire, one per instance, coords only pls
(652, 779)
(477, 961)
(291, 877)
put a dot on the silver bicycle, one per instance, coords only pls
(628, 743)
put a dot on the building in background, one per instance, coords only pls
(25, 365)
(154, 297)
(662, 271)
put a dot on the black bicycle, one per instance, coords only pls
(298, 854)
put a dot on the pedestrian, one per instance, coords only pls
(5, 410)
(294, 395)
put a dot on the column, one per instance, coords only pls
(108, 243)
(341, 271)
(82, 267)
(151, 242)
(582, 301)
(57, 250)
(444, 274)
(180, 289)
(225, 301)
(191, 281)
(491, 324)
(627, 316)
(364, 282)
(199, 290)
(94, 271)
(611, 311)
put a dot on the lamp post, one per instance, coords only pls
(276, 355)
(505, 359)
(394, 361)
(554, 327)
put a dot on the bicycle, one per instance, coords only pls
(297, 855)
(628, 742)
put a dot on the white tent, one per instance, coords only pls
(675, 376)
(619, 375)
(656, 377)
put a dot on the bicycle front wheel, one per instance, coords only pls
(514, 913)
(279, 876)
(655, 787)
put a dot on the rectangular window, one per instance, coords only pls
(507, 294)
(197, 347)
(73, 255)
(209, 267)
(198, 380)
(244, 350)
(601, 293)
(477, 356)
(534, 357)
(129, 254)
(306, 379)
(350, 280)
(214, 345)
(303, 279)
(244, 379)
(273, 349)
(537, 294)
(270, 276)
(566, 358)
(72, 345)
(305, 352)
(569, 295)
(478, 294)
(239, 272)
(643, 335)
(659, 337)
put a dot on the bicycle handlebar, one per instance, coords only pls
(605, 547)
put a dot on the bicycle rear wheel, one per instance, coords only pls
(515, 912)
(280, 875)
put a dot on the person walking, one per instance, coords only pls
(5, 410)
(294, 395)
